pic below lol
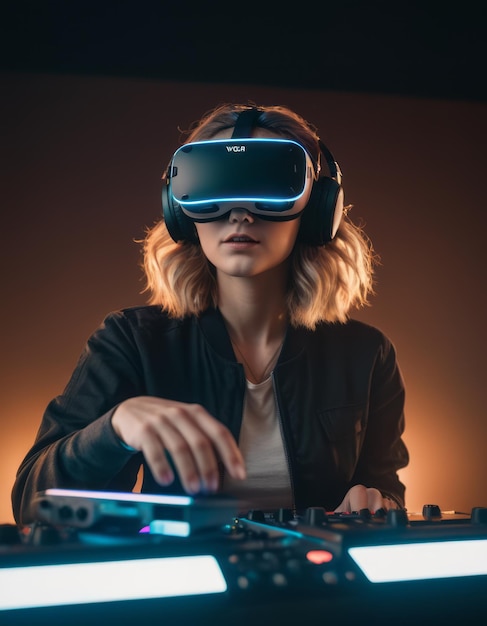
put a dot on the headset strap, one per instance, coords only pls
(246, 121)
(333, 166)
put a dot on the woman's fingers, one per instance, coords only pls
(195, 440)
(222, 442)
(360, 497)
(191, 450)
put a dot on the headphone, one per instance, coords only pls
(320, 218)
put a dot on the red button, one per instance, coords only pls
(319, 556)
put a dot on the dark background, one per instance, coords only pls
(426, 49)
(94, 95)
(414, 48)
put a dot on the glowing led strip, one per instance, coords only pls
(192, 203)
(109, 581)
(126, 497)
(422, 561)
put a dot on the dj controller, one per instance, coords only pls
(93, 557)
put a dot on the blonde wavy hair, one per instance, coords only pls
(325, 282)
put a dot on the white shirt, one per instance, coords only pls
(267, 486)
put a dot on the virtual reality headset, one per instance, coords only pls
(270, 178)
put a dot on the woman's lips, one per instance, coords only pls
(240, 240)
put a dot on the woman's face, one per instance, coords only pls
(241, 244)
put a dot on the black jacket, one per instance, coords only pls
(339, 390)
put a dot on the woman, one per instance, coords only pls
(244, 374)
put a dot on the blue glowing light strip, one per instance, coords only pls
(239, 140)
(186, 203)
(422, 561)
(109, 581)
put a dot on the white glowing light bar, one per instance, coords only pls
(422, 561)
(109, 581)
(117, 496)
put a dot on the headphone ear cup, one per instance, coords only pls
(180, 227)
(322, 215)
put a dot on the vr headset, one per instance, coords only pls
(271, 178)
(274, 179)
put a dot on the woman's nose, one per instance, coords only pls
(239, 214)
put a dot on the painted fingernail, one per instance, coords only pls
(212, 484)
(193, 485)
(166, 477)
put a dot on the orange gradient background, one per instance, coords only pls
(81, 164)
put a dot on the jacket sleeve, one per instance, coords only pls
(383, 451)
(76, 446)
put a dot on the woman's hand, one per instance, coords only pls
(360, 497)
(195, 440)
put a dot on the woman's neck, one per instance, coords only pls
(255, 314)
(254, 308)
